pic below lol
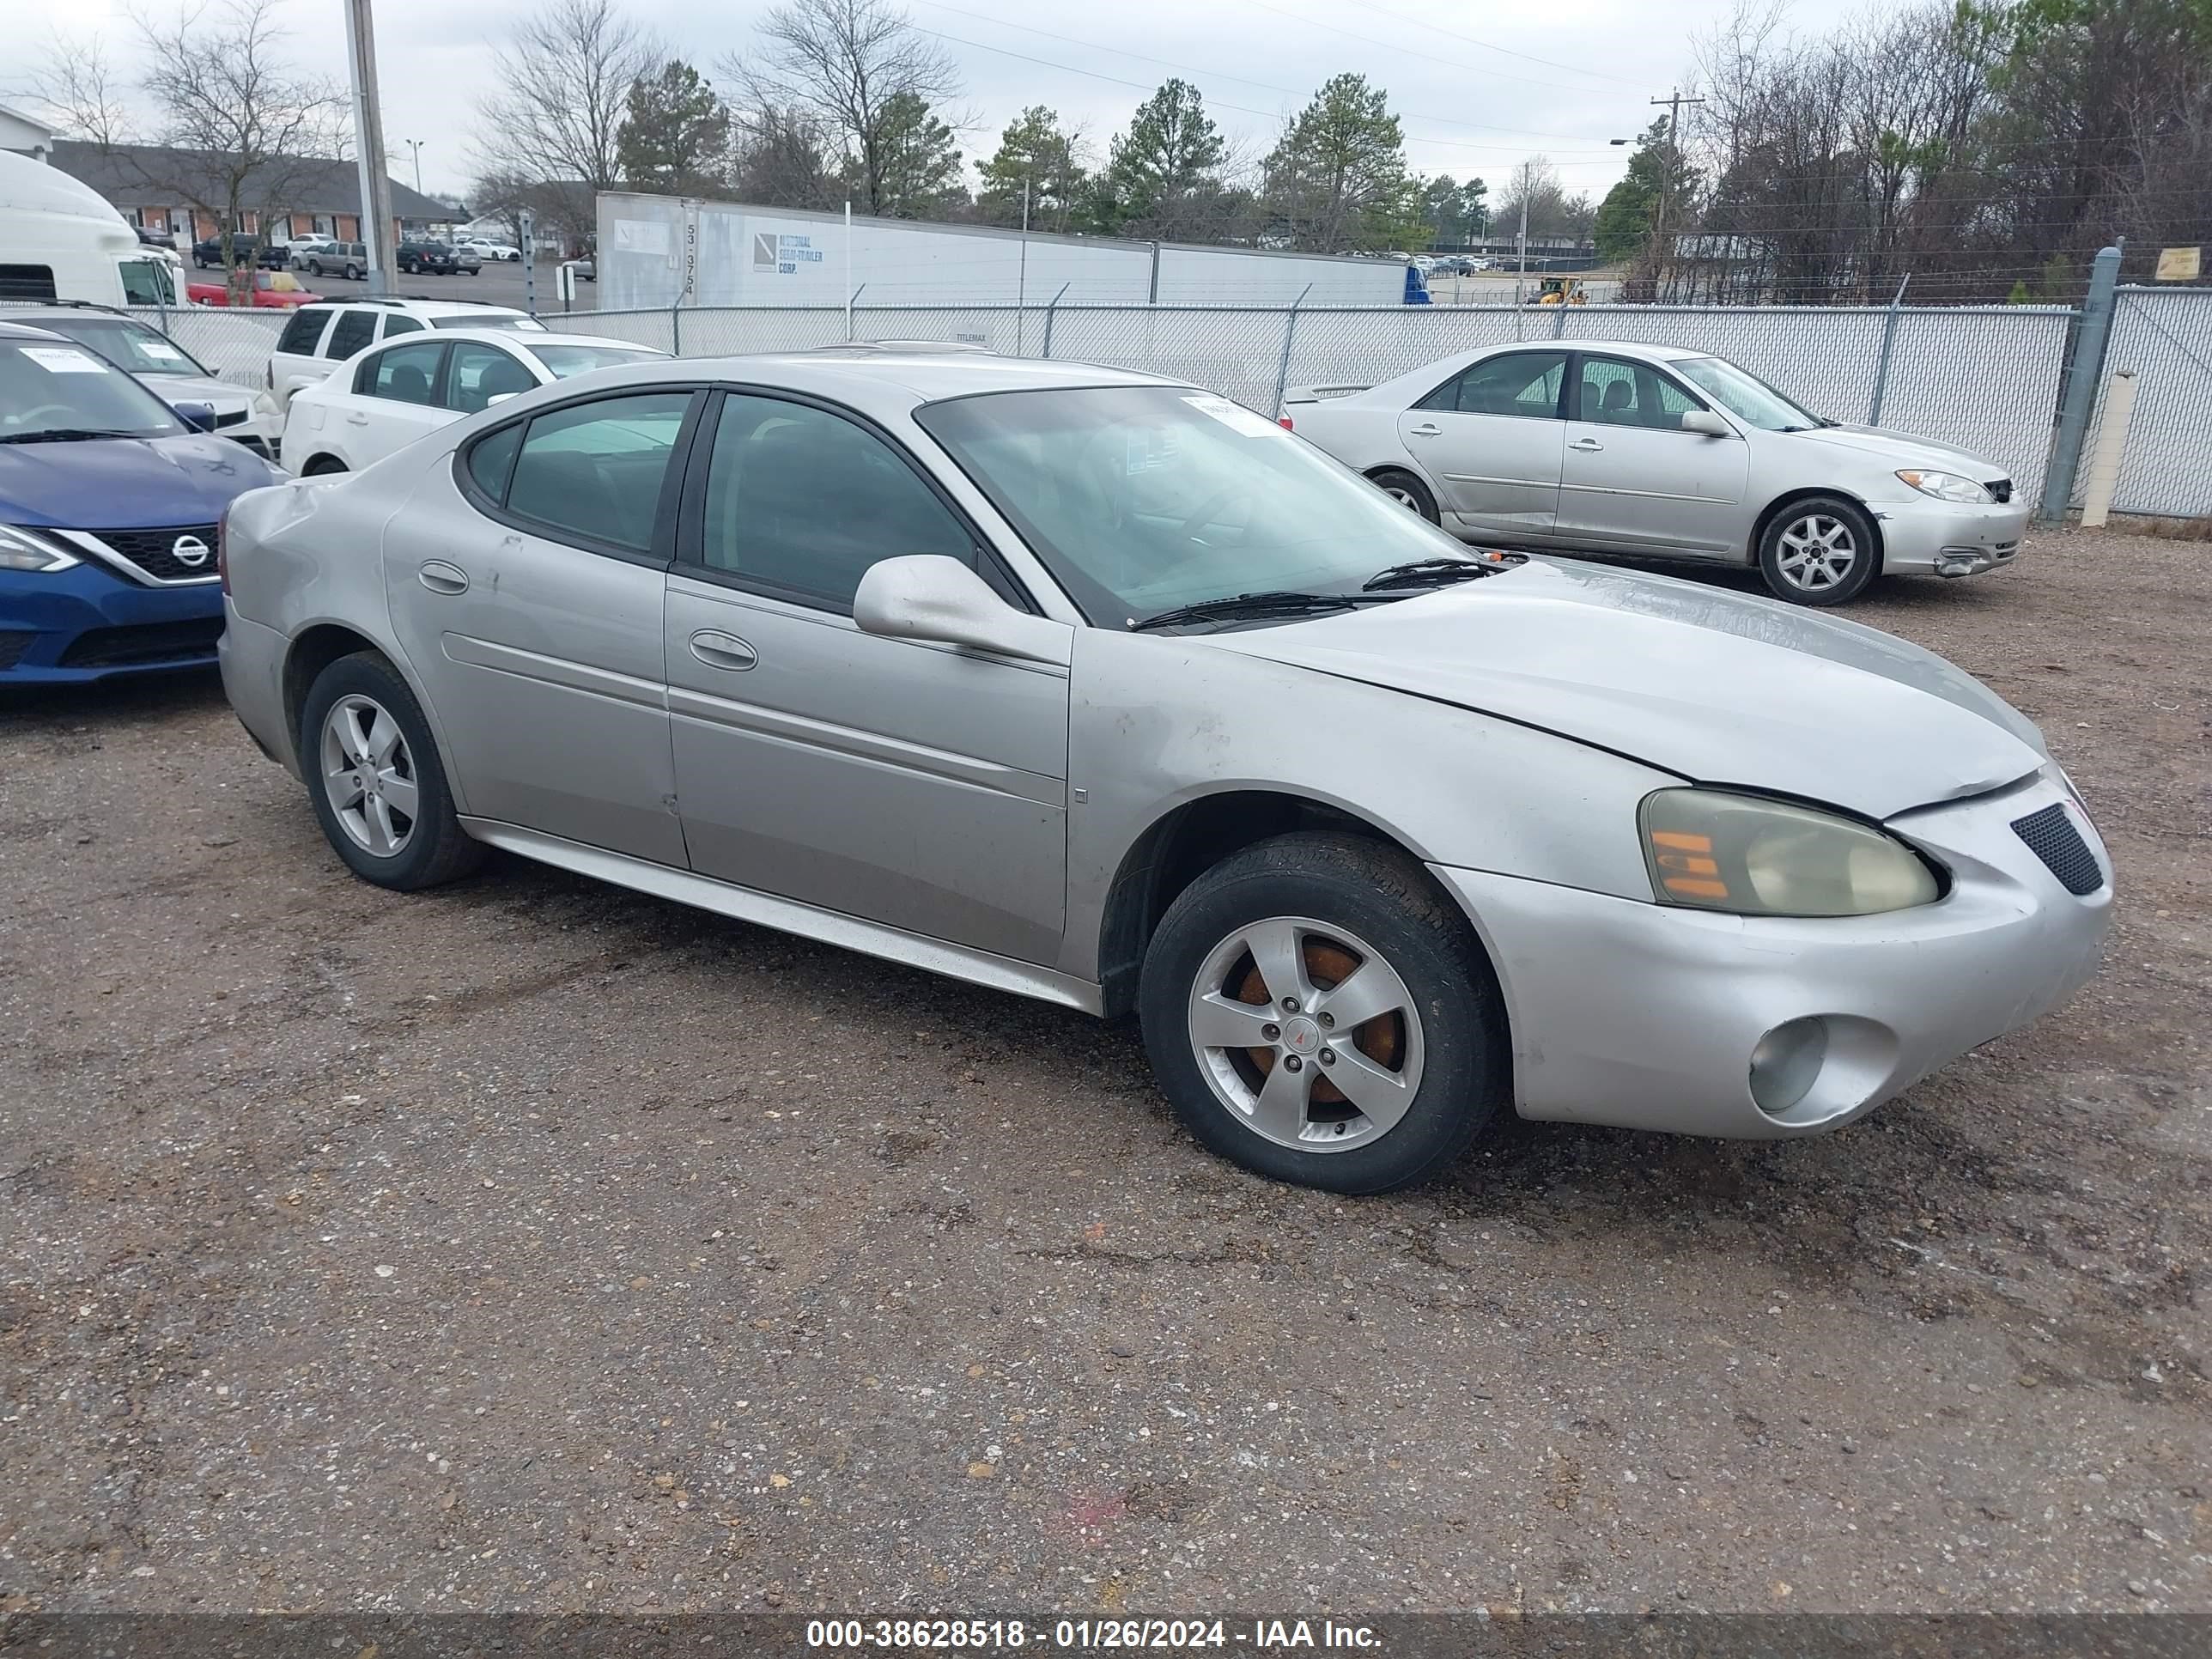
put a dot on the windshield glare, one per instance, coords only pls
(127, 344)
(57, 385)
(1743, 394)
(562, 360)
(1142, 499)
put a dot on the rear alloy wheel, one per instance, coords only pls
(374, 777)
(1819, 551)
(1407, 491)
(353, 273)
(1317, 1012)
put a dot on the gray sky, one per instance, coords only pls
(1468, 105)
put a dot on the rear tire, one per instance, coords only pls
(353, 273)
(1820, 552)
(1248, 996)
(1407, 491)
(374, 778)
(321, 466)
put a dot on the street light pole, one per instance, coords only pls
(368, 142)
(415, 144)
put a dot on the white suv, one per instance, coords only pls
(317, 339)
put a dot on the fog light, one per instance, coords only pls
(1785, 1062)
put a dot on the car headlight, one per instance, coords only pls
(1751, 857)
(1945, 486)
(20, 549)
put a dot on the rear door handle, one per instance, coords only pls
(1425, 430)
(1587, 446)
(356, 419)
(720, 650)
(443, 578)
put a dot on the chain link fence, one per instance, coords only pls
(1987, 378)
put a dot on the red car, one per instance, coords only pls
(280, 289)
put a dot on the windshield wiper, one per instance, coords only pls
(62, 435)
(1444, 568)
(1272, 604)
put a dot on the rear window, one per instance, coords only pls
(303, 332)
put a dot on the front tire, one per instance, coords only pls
(374, 777)
(1819, 551)
(1317, 1012)
(1408, 491)
(353, 273)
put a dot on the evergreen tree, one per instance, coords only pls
(1035, 150)
(1337, 179)
(917, 163)
(1162, 175)
(675, 132)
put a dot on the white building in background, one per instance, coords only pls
(25, 135)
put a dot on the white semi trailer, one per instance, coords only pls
(657, 251)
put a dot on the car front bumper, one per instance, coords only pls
(1950, 538)
(1646, 1016)
(69, 627)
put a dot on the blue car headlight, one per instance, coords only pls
(26, 550)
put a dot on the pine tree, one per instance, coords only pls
(1035, 151)
(1337, 179)
(675, 132)
(1162, 175)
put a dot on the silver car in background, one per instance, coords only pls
(1653, 452)
(1097, 688)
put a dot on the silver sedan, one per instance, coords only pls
(1091, 687)
(1647, 451)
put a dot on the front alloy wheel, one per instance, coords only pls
(1819, 552)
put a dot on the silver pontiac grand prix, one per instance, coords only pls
(1097, 688)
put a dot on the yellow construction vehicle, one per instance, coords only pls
(1561, 291)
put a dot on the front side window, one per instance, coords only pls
(595, 470)
(1615, 393)
(801, 502)
(353, 331)
(480, 373)
(303, 331)
(1744, 395)
(146, 283)
(1141, 499)
(1519, 383)
(403, 374)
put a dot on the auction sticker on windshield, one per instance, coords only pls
(60, 360)
(1235, 417)
(161, 351)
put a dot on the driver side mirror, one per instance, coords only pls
(200, 417)
(1704, 421)
(927, 596)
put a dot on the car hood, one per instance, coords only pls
(126, 483)
(1903, 449)
(174, 389)
(1716, 686)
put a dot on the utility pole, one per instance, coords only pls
(1521, 278)
(376, 229)
(1671, 162)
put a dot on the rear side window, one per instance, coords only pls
(405, 374)
(353, 331)
(397, 323)
(595, 470)
(493, 459)
(26, 283)
(1521, 383)
(304, 332)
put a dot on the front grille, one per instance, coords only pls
(153, 551)
(13, 645)
(153, 642)
(2000, 489)
(235, 417)
(2051, 836)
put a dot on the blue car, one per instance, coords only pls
(108, 506)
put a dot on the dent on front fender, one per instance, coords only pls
(1157, 722)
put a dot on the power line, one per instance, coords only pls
(1491, 46)
(1425, 57)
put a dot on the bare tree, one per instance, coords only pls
(859, 67)
(780, 156)
(233, 130)
(556, 117)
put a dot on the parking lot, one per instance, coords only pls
(533, 1244)
(497, 283)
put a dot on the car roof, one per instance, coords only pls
(529, 338)
(25, 331)
(924, 376)
(427, 307)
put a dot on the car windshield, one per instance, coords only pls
(129, 345)
(1145, 499)
(56, 389)
(563, 360)
(496, 320)
(1744, 395)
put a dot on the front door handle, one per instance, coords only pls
(443, 578)
(356, 419)
(1587, 446)
(1426, 430)
(720, 650)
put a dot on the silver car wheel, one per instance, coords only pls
(368, 775)
(1816, 552)
(1304, 1031)
(1403, 496)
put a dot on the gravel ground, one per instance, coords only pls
(534, 1245)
